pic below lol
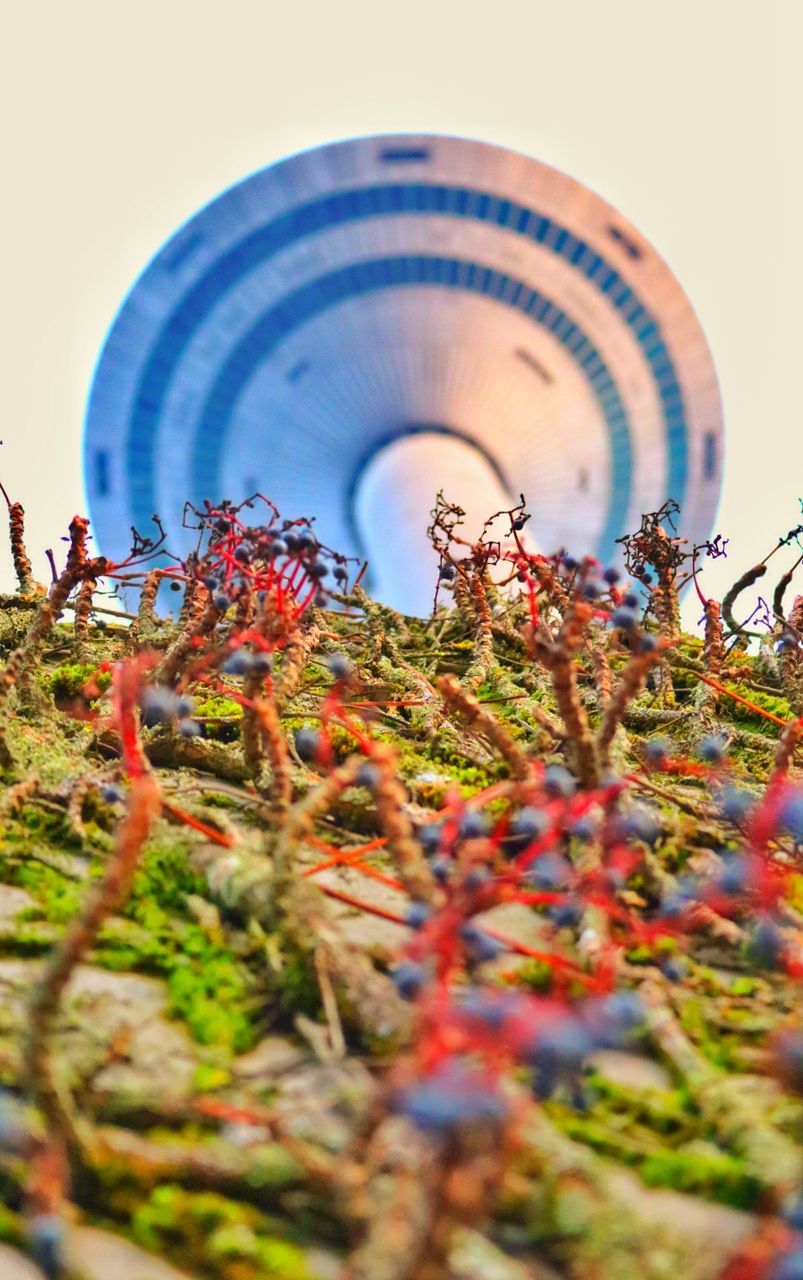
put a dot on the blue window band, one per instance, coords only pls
(365, 202)
(357, 278)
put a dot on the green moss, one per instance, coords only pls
(68, 680)
(776, 704)
(228, 1241)
(58, 899)
(714, 1175)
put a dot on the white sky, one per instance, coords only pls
(120, 119)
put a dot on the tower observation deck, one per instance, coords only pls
(355, 327)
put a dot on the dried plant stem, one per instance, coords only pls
(278, 756)
(47, 1090)
(664, 604)
(28, 586)
(790, 740)
(714, 643)
(741, 584)
(142, 629)
(493, 729)
(791, 660)
(81, 615)
(202, 618)
(397, 826)
(630, 683)
(305, 813)
(603, 675)
(296, 652)
(23, 661)
(250, 729)
(482, 660)
(558, 657)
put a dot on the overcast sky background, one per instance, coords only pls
(120, 119)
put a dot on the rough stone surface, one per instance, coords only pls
(103, 1256)
(273, 1056)
(12, 902)
(153, 1056)
(630, 1069)
(15, 1266)
(716, 1230)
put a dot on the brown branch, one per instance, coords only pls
(493, 729)
(49, 1092)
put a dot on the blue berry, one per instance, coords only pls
(242, 555)
(736, 876)
(317, 570)
(111, 793)
(277, 548)
(591, 590)
(447, 572)
(674, 970)
(486, 1007)
(238, 663)
(409, 979)
(559, 782)
(656, 751)
(640, 824)
(712, 749)
(647, 643)
(630, 600)
(450, 1100)
(221, 601)
(557, 1054)
(789, 1267)
(339, 666)
(441, 869)
(189, 728)
(686, 892)
(611, 576)
(735, 805)
(368, 775)
(46, 1236)
(584, 828)
(472, 826)
(792, 1213)
(791, 815)
(624, 619)
(548, 872)
(430, 836)
(614, 1018)
(524, 828)
(476, 878)
(566, 914)
(158, 705)
(766, 946)
(308, 743)
(569, 563)
(479, 944)
(418, 913)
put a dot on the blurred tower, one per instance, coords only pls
(355, 327)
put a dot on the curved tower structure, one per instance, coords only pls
(357, 326)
